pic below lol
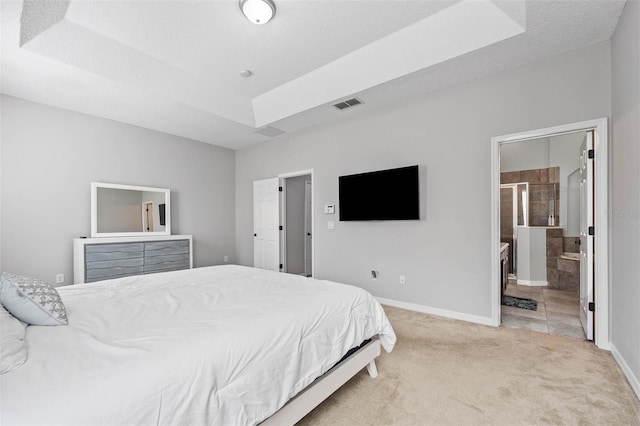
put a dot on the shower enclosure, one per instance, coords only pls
(526, 204)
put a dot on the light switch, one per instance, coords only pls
(329, 209)
(331, 225)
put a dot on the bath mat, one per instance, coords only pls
(519, 302)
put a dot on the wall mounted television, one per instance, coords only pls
(161, 210)
(391, 194)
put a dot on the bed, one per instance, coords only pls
(225, 345)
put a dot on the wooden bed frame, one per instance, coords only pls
(303, 403)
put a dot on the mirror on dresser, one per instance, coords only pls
(126, 210)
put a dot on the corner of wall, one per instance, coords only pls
(631, 377)
(1, 127)
(625, 197)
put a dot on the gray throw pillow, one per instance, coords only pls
(31, 300)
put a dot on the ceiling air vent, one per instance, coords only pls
(269, 131)
(348, 103)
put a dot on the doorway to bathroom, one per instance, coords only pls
(546, 184)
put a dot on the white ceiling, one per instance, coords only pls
(173, 66)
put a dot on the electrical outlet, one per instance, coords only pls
(402, 279)
(59, 278)
(226, 259)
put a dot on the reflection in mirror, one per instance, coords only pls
(573, 204)
(523, 202)
(121, 210)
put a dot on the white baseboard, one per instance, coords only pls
(533, 283)
(436, 311)
(633, 380)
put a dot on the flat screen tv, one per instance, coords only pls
(161, 209)
(381, 195)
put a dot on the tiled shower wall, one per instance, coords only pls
(544, 192)
(555, 245)
(571, 245)
(562, 274)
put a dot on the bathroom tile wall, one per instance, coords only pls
(568, 275)
(571, 245)
(510, 177)
(562, 274)
(550, 175)
(555, 243)
(544, 197)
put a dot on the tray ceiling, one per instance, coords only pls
(174, 66)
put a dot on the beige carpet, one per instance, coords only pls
(451, 372)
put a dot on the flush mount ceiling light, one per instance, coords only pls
(258, 11)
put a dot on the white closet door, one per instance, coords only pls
(266, 224)
(586, 237)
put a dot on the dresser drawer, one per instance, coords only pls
(170, 262)
(113, 277)
(101, 252)
(167, 266)
(119, 263)
(162, 248)
(113, 272)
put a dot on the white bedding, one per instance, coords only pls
(225, 345)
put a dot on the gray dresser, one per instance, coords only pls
(97, 259)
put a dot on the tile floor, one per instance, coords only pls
(558, 311)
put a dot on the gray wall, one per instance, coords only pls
(525, 155)
(532, 254)
(446, 255)
(625, 214)
(295, 224)
(49, 158)
(1, 186)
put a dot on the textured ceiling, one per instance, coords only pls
(173, 66)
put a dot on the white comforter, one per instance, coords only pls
(225, 345)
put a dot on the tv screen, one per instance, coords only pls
(381, 195)
(161, 209)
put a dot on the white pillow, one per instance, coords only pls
(13, 347)
(31, 300)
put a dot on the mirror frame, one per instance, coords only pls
(94, 210)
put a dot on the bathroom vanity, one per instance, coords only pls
(504, 266)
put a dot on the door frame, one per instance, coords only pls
(308, 223)
(283, 218)
(145, 217)
(601, 241)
